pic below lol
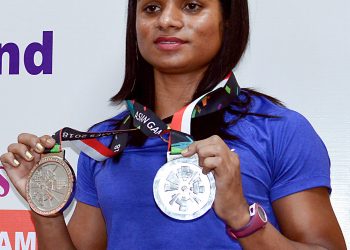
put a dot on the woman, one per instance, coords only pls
(183, 49)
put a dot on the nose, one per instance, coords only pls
(170, 18)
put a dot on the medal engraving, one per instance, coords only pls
(182, 191)
(50, 185)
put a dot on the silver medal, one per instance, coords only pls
(50, 185)
(182, 191)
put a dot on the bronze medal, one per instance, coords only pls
(50, 185)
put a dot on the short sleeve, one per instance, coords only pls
(301, 159)
(86, 191)
(85, 188)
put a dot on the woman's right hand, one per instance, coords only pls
(23, 156)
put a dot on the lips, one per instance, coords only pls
(169, 43)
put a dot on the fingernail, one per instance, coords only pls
(39, 147)
(50, 140)
(16, 162)
(232, 149)
(29, 155)
(184, 151)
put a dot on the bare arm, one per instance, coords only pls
(306, 218)
(307, 221)
(86, 229)
(52, 232)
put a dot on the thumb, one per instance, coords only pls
(190, 150)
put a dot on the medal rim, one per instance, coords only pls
(58, 160)
(185, 217)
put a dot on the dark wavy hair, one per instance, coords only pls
(139, 79)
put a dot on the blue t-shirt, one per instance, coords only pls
(278, 157)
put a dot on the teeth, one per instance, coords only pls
(169, 42)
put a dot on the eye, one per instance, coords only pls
(193, 7)
(151, 8)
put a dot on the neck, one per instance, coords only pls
(174, 91)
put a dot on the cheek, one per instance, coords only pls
(142, 32)
(209, 35)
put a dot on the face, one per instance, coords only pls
(178, 35)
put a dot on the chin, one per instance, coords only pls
(173, 68)
(176, 66)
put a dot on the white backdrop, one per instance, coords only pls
(298, 52)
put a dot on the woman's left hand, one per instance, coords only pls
(216, 157)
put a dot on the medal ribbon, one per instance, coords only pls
(151, 125)
(87, 141)
(220, 97)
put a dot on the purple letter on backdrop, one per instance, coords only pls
(13, 51)
(4, 184)
(46, 50)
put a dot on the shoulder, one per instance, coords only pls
(278, 133)
(288, 146)
(264, 104)
(266, 114)
(283, 121)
